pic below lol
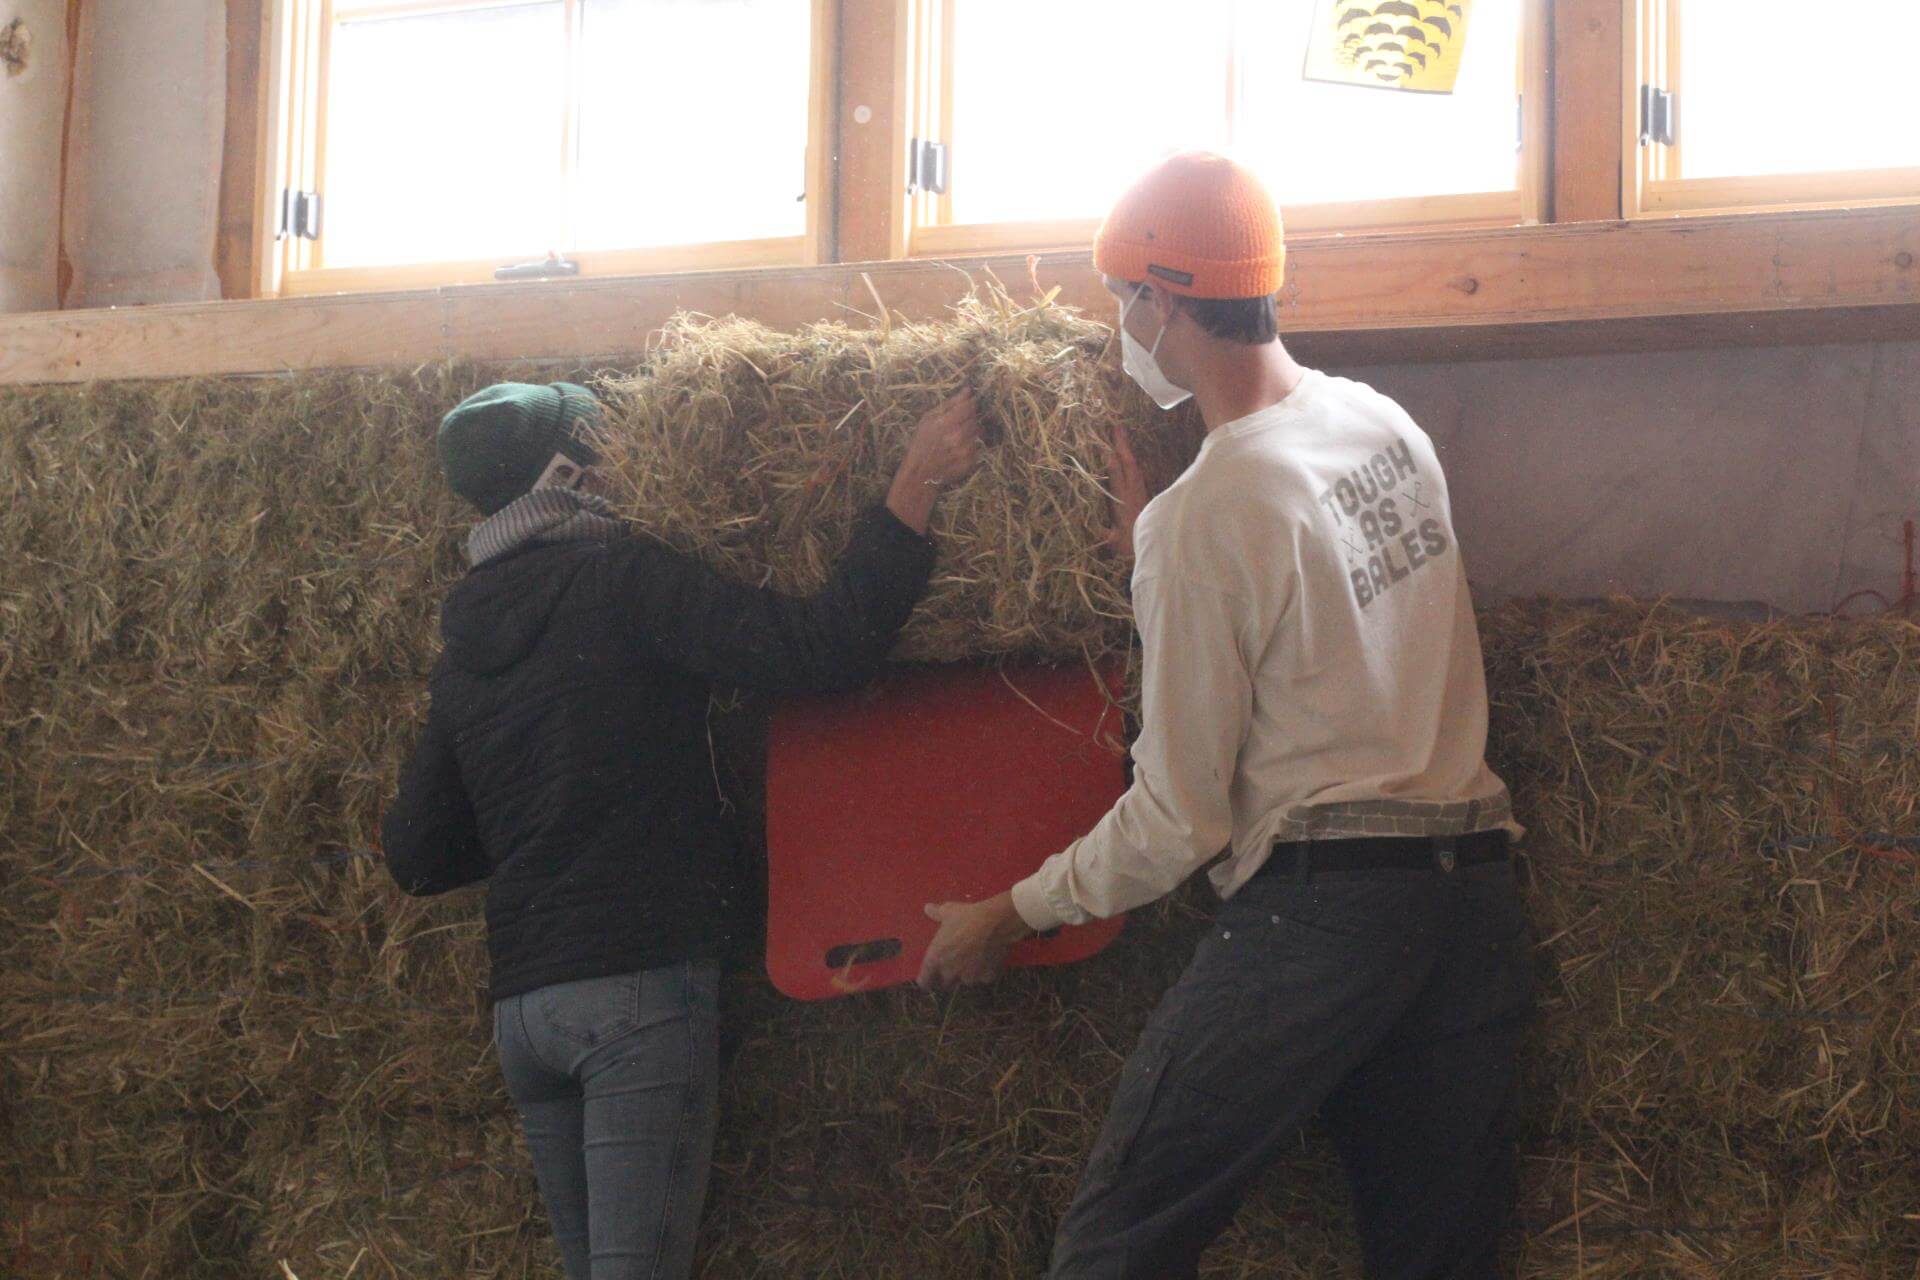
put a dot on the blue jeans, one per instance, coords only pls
(617, 1084)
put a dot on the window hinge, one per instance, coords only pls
(927, 166)
(299, 214)
(1659, 116)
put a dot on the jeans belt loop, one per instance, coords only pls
(1303, 861)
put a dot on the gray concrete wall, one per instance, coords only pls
(1779, 475)
(33, 103)
(149, 120)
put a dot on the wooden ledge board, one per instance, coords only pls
(1847, 275)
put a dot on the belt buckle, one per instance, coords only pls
(1443, 853)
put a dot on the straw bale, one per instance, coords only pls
(223, 528)
(755, 449)
(399, 1198)
(78, 1219)
(1729, 917)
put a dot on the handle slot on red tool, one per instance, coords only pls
(873, 951)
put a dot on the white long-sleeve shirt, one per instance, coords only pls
(1312, 666)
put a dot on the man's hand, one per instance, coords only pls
(944, 450)
(1128, 487)
(971, 947)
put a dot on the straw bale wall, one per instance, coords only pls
(227, 1043)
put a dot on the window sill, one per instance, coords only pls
(1715, 197)
(1481, 211)
(727, 255)
(1649, 284)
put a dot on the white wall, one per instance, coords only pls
(1779, 475)
(32, 106)
(149, 120)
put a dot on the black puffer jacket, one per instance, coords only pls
(566, 756)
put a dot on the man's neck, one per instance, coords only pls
(1240, 380)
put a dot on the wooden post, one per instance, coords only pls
(240, 170)
(63, 266)
(871, 131)
(1587, 101)
(823, 132)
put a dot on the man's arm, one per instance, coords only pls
(1197, 697)
(430, 838)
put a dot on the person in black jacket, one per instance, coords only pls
(565, 761)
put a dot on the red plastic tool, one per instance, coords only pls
(934, 785)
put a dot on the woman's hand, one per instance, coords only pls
(944, 450)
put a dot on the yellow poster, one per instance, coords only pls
(1413, 45)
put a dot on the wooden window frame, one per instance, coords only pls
(1593, 277)
(928, 218)
(297, 84)
(1654, 175)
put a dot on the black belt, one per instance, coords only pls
(1302, 858)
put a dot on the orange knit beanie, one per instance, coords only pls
(1197, 224)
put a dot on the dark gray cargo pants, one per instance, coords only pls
(1391, 1001)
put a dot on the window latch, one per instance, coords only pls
(299, 214)
(1659, 116)
(927, 166)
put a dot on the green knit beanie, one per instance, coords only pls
(499, 441)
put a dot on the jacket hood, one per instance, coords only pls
(498, 612)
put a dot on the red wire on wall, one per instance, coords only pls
(1909, 584)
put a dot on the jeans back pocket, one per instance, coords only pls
(591, 1011)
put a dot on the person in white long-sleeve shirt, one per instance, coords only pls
(1314, 705)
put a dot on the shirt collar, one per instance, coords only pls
(1277, 414)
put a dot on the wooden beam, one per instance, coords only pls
(234, 254)
(1536, 112)
(1588, 70)
(823, 98)
(63, 265)
(871, 131)
(273, 152)
(1767, 278)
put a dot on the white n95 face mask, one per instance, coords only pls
(1140, 365)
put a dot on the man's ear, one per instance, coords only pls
(1165, 307)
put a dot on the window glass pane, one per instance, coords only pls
(693, 121)
(1314, 142)
(444, 136)
(1784, 86)
(1059, 104)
